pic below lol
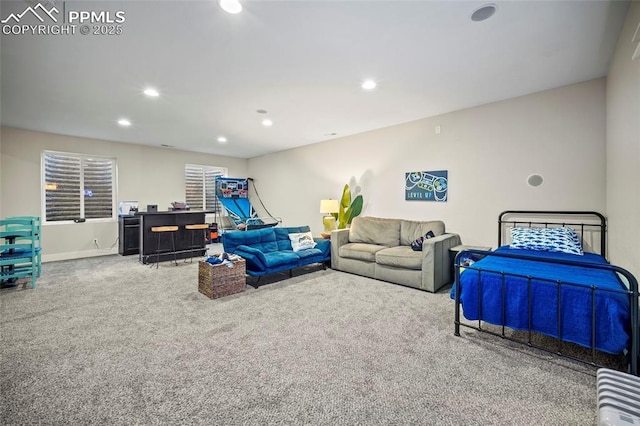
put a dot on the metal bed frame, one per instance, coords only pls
(555, 218)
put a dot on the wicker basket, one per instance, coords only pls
(216, 281)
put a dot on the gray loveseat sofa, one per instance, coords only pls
(380, 248)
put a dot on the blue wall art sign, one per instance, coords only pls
(426, 186)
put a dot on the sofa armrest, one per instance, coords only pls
(254, 257)
(324, 246)
(339, 238)
(436, 270)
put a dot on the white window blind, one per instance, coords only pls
(98, 188)
(78, 186)
(200, 186)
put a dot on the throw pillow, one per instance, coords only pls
(563, 240)
(302, 241)
(417, 244)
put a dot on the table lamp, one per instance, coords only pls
(328, 207)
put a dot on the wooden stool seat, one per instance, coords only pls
(197, 226)
(164, 229)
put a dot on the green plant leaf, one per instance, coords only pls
(355, 209)
(345, 202)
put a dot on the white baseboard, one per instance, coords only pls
(77, 255)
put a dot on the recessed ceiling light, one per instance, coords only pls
(151, 92)
(483, 12)
(369, 85)
(222, 139)
(124, 122)
(267, 123)
(231, 6)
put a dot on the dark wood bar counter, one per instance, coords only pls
(183, 237)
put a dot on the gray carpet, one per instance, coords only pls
(109, 341)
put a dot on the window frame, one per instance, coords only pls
(82, 158)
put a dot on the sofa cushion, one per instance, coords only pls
(262, 239)
(360, 251)
(410, 230)
(374, 230)
(400, 257)
(306, 253)
(281, 258)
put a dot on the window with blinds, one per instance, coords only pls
(200, 187)
(77, 186)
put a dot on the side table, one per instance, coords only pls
(453, 252)
(218, 280)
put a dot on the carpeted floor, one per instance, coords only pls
(109, 341)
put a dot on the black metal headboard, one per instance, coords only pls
(552, 218)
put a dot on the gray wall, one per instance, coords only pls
(623, 148)
(146, 174)
(489, 151)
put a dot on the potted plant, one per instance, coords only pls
(348, 208)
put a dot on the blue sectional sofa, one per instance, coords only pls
(269, 250)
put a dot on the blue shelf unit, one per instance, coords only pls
(20, 250)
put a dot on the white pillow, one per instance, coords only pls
(302, 241)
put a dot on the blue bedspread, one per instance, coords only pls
(611, 300)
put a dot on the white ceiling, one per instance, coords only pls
(302, 61)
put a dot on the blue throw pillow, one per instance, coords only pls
(562, 240)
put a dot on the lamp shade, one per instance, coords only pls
(329, 206)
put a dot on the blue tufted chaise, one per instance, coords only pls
(268, 250)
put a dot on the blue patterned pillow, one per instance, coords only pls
(417, 244)
(564, 240)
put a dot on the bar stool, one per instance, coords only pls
(159, 230)
(194, 228)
